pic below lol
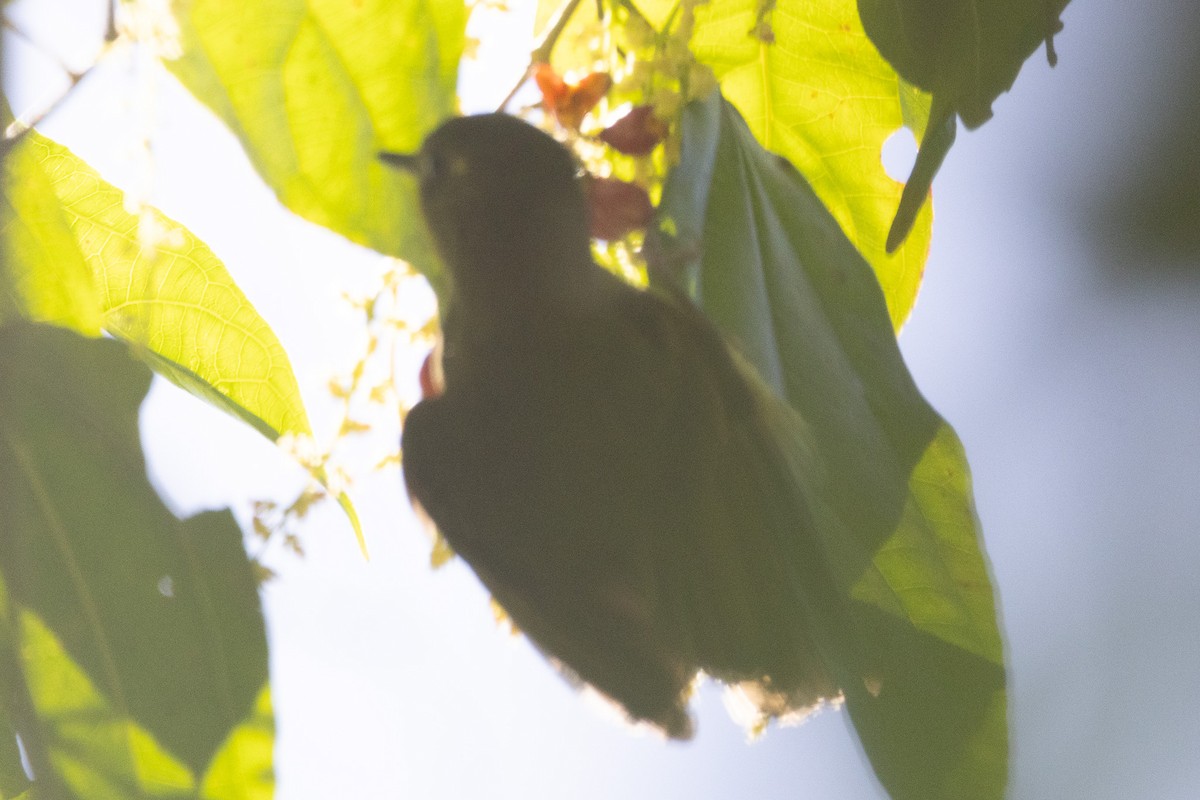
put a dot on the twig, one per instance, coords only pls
(19, 128)
(20, 32)
(541, 53)
(110, 28)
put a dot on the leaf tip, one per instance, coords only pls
(343, 500)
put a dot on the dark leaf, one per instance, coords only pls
(13, 779)
(939, 136)
(912, 634)
(966, 52)
(133, 624)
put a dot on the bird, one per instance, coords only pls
(601, 457)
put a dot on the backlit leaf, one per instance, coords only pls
(175, 300)
(43, 275)
(817, 92)
(314, 89)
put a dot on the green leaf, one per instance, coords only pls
(13, 780)
(140, 637)
(813, 89)
(936, 143)
(314, 89)
(15, 705)
(43, 276)
(155, 285)
(169, 295)
(965, 52)
(912, 634)
(243, 767)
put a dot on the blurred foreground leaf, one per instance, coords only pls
(13, 780)
(138, 637)
(912, 636)
(314, 89)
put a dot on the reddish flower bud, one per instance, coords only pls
(616, 207)
(570, 103)
(636, 133)
(430, 376)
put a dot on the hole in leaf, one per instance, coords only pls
(166, 586)
(898, 154)
(25, 765)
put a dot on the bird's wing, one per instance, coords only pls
(532, 495)
(748, 563)
(618, 490)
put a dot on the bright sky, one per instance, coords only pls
(1073, 391)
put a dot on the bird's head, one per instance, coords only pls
(503, 202)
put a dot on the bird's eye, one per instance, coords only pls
(436, 168)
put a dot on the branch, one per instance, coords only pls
(20, 127)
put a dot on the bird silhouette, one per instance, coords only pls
(600, 456)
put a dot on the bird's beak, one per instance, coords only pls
(405, 161)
